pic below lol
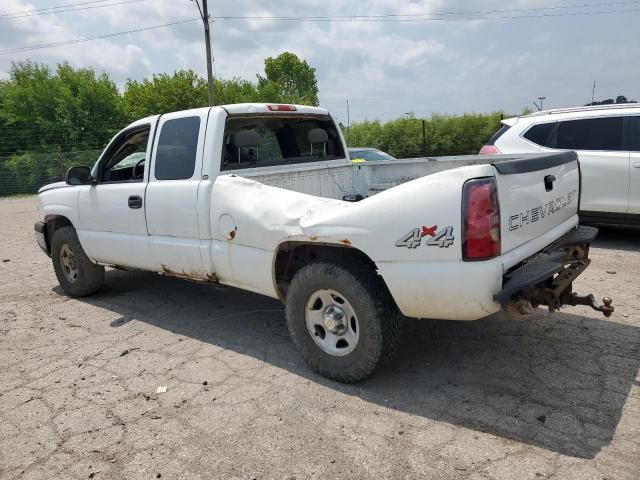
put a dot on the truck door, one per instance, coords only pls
(112, 226)
(172, 194)
(634, 170)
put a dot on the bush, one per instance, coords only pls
(445, 134)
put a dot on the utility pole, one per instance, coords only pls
(348, 123)
(593, 92)
(204, 14)
(424, 137)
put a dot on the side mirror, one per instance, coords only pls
(78, 176)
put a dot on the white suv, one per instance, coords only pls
(607, 140)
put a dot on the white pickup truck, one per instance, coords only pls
(265, 198)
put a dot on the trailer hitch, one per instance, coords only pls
(590, 301)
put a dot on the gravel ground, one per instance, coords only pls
(553, 396)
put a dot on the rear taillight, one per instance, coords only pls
(282, 108)
(489, 150)
(480, 219)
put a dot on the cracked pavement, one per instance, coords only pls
(549, 397)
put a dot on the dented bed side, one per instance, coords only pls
(247, 235)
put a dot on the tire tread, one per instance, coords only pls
(91, 276)
(384, 312)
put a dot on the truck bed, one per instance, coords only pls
(337, 178)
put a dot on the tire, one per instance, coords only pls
(359, 293)
(77, 275)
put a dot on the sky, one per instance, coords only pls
(454, 64)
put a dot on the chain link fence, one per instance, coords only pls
(33, 156)
(25, 172)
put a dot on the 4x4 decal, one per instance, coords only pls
(443, 239)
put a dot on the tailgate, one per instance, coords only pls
(536, 194)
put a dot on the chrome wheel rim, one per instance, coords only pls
(68, 263)
(332, 322)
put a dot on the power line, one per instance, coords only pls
(343, 18)
(428, 16)
(95, 37)
(52, 8)
(516, 10)
(72, 9)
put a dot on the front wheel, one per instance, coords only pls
(77, 275)
(342, 320)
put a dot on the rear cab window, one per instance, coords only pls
(265, 140)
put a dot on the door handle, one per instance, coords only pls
(135, 201)
(636, 165)
(548, 182)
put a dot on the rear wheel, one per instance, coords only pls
(342, 320)
(77, 275)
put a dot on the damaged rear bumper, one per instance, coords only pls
(546, 278)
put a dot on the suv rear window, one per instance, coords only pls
(591, 134)
(498, 134)
(540, 134)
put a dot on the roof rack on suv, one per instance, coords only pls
(611, 106)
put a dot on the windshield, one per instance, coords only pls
(369, 155)
(130, 161)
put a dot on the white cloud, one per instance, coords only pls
(117, 58)
(385, 68)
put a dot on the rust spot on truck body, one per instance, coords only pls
(346, 242)
(232, 234)
(191, 276)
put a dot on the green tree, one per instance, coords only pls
(164, 93)
(235, 90)
(71, 108)
(611, 101)
(53, 118)
(44, 115)
(182, 90)
(288, 79)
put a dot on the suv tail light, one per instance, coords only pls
(489, 150)
(490, 147)
(480, 219)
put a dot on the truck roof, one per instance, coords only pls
(240, 108)
(243, 108)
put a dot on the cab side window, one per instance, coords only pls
(591, 134)
(177, 149)
(125, 159)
